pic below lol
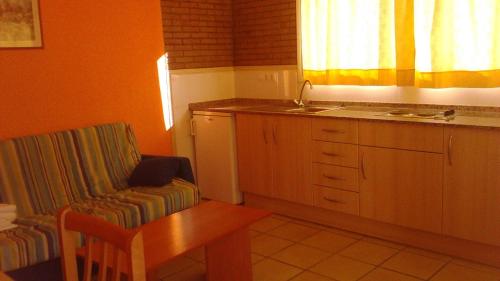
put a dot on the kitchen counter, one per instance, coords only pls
(487, 117)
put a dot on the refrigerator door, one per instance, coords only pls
(215, 150)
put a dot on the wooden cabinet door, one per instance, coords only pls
(472, 184)
(253, 139)
(401, 187)
(291, 137)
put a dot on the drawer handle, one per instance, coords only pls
(332, 177)
(333, 131)
(334, 200)
(330, 154)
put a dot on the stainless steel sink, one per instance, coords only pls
(308, 110)
(292, 109)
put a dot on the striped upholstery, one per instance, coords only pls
(43, 173)
(85, 168)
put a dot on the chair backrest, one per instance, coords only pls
(111, 247)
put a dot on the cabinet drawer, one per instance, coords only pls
(336, 130)
(335, 153)
(335, 176)
(337, 200)
(401, 135)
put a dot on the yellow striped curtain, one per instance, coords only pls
(457, 43)
(450, 43)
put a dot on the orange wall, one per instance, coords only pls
(97, 65)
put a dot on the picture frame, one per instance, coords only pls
(20, 24)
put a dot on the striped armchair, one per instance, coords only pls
(86, 168)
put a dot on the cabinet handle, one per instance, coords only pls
(333, 131)
(334, 200)
(450, 146)
(264, 135)
(274, 135)
(330, 154)
(363, 173)
(332, 177)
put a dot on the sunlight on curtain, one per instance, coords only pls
(350, 42)
(457, 43)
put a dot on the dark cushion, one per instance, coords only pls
(154, 172)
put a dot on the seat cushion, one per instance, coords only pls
(35, 240)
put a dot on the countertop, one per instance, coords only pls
(486, 117)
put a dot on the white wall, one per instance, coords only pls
(188, 86)
(254, 82)
(281, 82)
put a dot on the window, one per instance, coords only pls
(427, 43)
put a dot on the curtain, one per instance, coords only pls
(426, 43)
(457, 43)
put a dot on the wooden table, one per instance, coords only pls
(4, 277)
(222, 228)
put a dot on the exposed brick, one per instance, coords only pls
(217, 33)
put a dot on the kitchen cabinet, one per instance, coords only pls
(273, 156)
(472, 184)
(401, 187)
(254, 153)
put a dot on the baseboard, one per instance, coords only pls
(455, 247)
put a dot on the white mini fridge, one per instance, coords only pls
(215, 152)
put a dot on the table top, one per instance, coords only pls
(176, 234)
(4, 277)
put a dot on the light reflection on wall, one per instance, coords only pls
(166, 94)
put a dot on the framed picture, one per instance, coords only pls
(20, 24)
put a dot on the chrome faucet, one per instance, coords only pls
(300, 101)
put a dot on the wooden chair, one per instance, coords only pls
(110, 246)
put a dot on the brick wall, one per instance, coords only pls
(264, 32)
(217, 33)
(198, 33)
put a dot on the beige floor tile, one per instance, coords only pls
(345, 233)
(267, 245)
(415, 265)
(309, 276)
(342, 269)
(429, 254)
(478, 266)
(328, 241)
(174, 266)
(455, 272)
(381, 274)
(301, 256)
(271, 270)
(266, 224)
(193, 273)
(293, 231)
(369, 252)
(196, 254)
(384, 243)
(281, 217)
(310, 224)
(256, 258)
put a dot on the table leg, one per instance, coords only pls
(228, 258)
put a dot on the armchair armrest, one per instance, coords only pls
(185, 171)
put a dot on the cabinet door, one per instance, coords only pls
(401, 187)
(254, 137)
(292, 159)
(472, 184)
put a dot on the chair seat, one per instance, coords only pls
(35, 240)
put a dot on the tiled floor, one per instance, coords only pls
(287, 249)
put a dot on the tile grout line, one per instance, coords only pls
(439, 270)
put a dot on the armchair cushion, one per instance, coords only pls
(154, 172)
